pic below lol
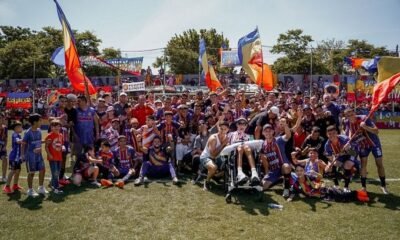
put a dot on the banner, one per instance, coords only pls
(19, 100)
(127, 64)
(351, 95)
(229, 59)
(133, 87)
(387, 119)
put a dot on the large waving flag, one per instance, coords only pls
(387, 67)
(211, 79)
(382, 90)
(72, 63)
(251, 58)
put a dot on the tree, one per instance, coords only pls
(295, 46)
(182, 51)
(22, 48)
(331, 52)
(363, 49)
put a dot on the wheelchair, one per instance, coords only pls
(228, 156)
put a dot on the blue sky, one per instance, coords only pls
(147, 24)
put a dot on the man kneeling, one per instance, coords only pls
(156, 163)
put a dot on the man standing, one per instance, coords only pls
(141, 110)
(365, 135)
(87, 125)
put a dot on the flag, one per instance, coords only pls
(251, 59)
(382, 90)
(387, 67)
(351, 95)
(72, 63)
(371, 65)
(355, 63)
(211, 79)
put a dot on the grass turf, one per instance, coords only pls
(163, 211)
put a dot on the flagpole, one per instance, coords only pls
(262, 64)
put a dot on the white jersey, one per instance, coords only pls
(206, 152)
(235, 137)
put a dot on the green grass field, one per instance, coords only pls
(163, 211)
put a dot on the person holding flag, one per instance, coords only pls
(364, 132)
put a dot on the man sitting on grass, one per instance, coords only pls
(156, 163)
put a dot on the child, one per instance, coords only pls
(107, 167)
(31, 152)
(15, 159)
(54, 148)
(86, 168)
(3, 146)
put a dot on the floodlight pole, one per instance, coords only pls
(311, 72)
(164, 59)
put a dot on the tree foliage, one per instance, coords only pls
(22, 49)
(295, 46)
(182, 51)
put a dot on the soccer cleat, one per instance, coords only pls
(346, 190)
(285, 193)
(362, 196)
(138, 181)
(64, 182)
(17, 187)
(175, 180)
(106, 183)
(242, 178)
(58, 191)
(4, 179)
(254, 181)
(42, 190)
(207, 186)
(384, 190)
(32, 193)
(96, 183)
(120, 184)
(7, 189)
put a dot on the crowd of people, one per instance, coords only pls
(305, 139)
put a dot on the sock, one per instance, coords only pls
(364, 182)
(127, 176)
(110, 177)
(383, 181)
(254, 172)
(240, 170)
(335, 176)
(286, 181)
(347, 176)
(62, 171)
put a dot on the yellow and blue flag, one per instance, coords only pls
(251, 58)
(211, 79)
(72, 62)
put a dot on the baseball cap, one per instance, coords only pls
(274, 110)
(267, 126)
(123, 94)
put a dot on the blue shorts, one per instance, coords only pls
(376, 151)
(123, 171)
(14, 165)
(34, 162)
(273, 176)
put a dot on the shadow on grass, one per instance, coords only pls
(390, 201)
(32, 203)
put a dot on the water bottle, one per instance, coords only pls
(275, 206)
